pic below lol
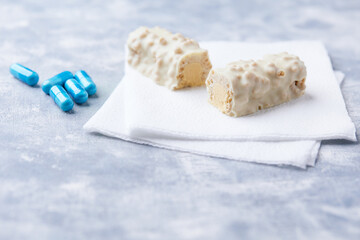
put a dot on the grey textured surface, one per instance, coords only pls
(58, 182)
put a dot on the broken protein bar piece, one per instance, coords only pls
(171, 60)
(244, 87)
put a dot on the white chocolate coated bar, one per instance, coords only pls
(171, 60)
(244, 87)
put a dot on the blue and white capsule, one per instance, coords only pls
(61, 98)
(76, 91)
(85, 80)
(58, 79)
(24, 74)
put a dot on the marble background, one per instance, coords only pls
(58, 182)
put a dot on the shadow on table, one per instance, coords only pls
(338, 142)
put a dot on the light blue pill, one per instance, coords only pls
(58, 79)
(61, 98)
(76, 91)
(85, 80)
(24, 74)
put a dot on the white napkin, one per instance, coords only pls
(153, 110)
(110, 121)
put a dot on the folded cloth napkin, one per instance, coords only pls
(153, 110)
(111, 120)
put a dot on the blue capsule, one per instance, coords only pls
(85, 80)
(24, 74)
(61, 98)
(76, 91)
(58, 79)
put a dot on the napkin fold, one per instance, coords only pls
(118, 117)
